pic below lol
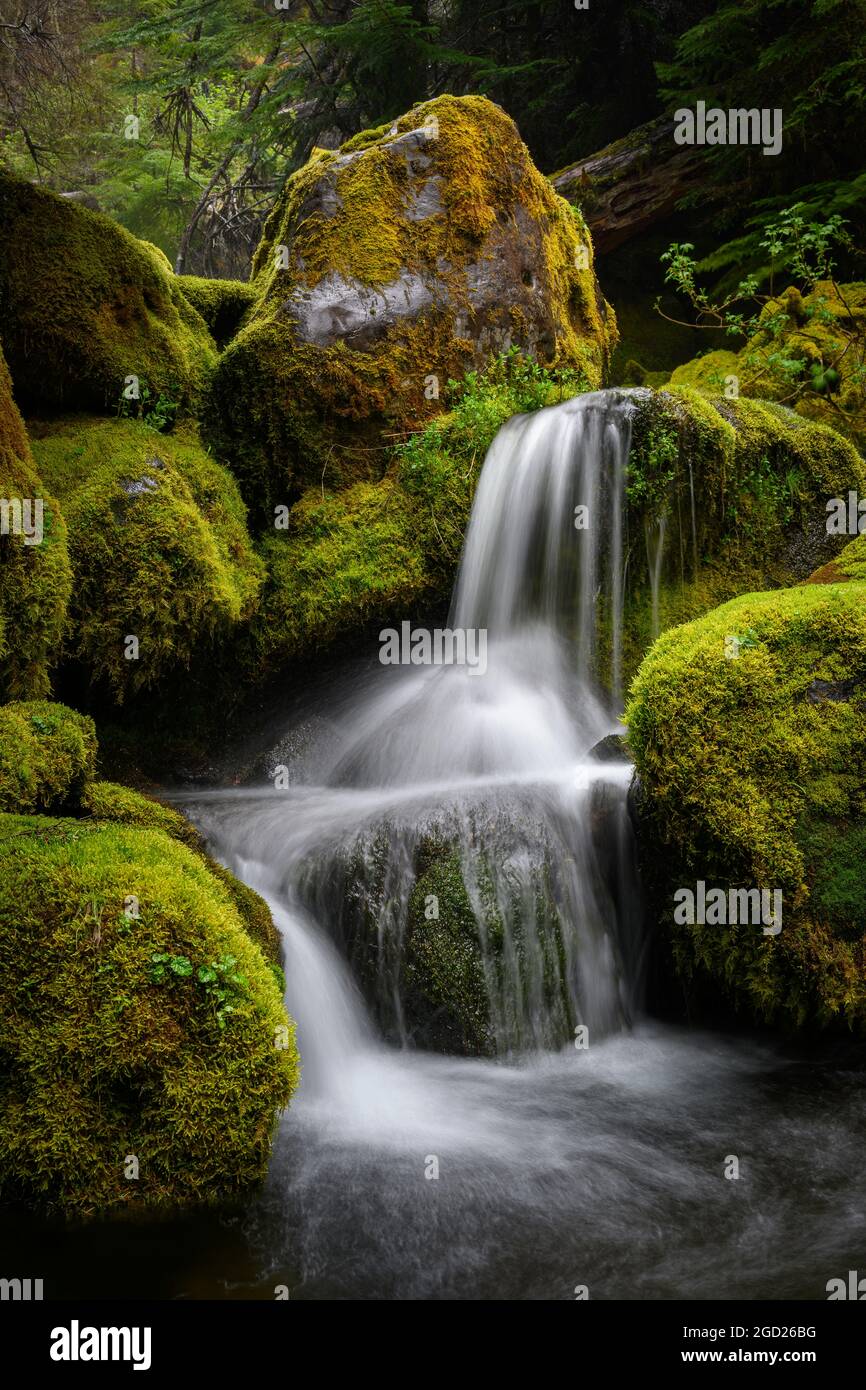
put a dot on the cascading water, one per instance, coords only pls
(555, 1166)
(488, 769)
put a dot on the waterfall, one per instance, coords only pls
(487, 774)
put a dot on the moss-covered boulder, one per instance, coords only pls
(723, 497)
(145, 1048)
(447, 990)
(748, 728)
(808, 350)
(35, 575)
(119, 805)
(159, 547)
(47, 756)
(221, 303)
(85, 306)
(414, 253)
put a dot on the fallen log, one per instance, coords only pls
(632, 183)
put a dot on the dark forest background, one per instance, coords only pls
(229, 97)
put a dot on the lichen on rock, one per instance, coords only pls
(386, 268)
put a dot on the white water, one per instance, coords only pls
(556, 1166)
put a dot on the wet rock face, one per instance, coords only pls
(411, 255)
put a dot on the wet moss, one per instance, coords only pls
(724, 497)
(750, 758)
(85, 305)
(146, 1053)
(47, 756)
(446, 992)
(347, 562)
(35, 579)
(158, 543)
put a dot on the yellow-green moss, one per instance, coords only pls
(221, 303)
(137, 1021)
(287, 411)
(736, 481)
(47, 755)
(84, 305)
(751, 757)
(347, 562)
(158, 542)
(109, 801)
(35, 579)
(819, 330)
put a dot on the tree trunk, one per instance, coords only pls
(632, 184)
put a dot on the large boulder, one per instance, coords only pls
(146, 1051)
(35, 576)
(748, 728)
(85, 306)
(415, 252)
(159, 547)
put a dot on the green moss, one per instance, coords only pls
(747, 764)
(446, 988)
(289, 408)
(158, 542)
(222, 304)
(85, 305)
(728, 489)
(159, 1035)
(798, 335)
(347, 562)
(35, 578)
(109, 801)
(47, 755)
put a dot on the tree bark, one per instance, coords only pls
(632, 184)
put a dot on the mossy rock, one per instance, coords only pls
(109, 801)
(346, 562)
(155, 1032)
(85, 305)
(799, 339)
(47, 756)
(158, 542)
(386, 269)
(35, 574)
(734, 492)
(447, 997)
(748, 729)
(222, 304)
(849, 564)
